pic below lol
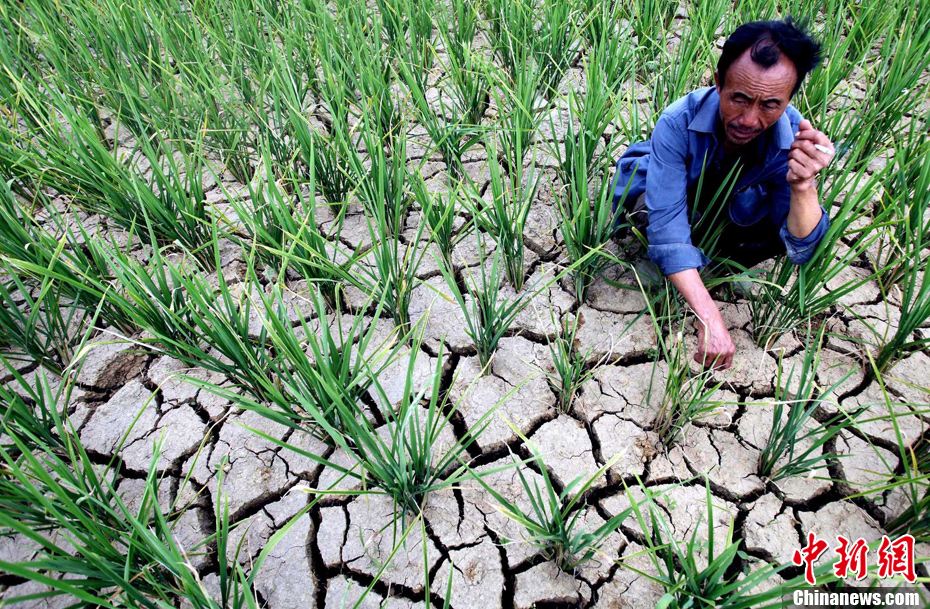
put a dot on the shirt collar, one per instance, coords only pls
(708, 115)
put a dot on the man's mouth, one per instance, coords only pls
(743, 134)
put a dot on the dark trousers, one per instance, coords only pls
(746, 246)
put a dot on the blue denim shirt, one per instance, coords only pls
(669, 165)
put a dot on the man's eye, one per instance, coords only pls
(770, 106)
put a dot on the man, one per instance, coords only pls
(743, 127)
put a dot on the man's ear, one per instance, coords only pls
(717, 81)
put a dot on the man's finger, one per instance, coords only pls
(814, 151)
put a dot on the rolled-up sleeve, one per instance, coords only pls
(800, 250)
(669, 232)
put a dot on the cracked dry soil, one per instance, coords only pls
(341, 547)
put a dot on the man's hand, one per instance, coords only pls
(809, 154)
(715, 348)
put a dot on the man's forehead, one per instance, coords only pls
(748, 77)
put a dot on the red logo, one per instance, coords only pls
(894, 557)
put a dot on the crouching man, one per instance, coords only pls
(742, 135)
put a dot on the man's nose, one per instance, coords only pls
(751, 117)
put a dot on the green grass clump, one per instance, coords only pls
(797, 441)
(553, 522)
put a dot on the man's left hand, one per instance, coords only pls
(810, 152)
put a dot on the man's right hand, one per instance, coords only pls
(715, 348)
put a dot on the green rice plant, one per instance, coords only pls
(534, 36)
(394, 272)
(850, 41)
(651, 21)
(58, 266)
(439, 211)
(448, 129)
(685, 395)
(600, 21)
(280, 222)
(695, 50)
(898, 85)
(907, 263)
(796, 442)
(504, 216)
(69, 157)
(399, 459)
(319, 366)
(464, 66)
(911, 478)
(184, 315)
(570, 366)
(608, 65)
(42, 327)
(488, 316)
(553, 522)
(379, 103)
(706, 224)
(510, 27)
(588, 220)
(789, 294)
(382, 181)
(93, 548)
(691, 580)
(409, 28)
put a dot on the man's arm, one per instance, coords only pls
(670, 246)
(715, 348)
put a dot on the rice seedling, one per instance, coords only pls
(911, 478)
(42, 325)
(703, 571)
(59, 268)
(400, 457)
(488, 315)
(93, 547)
(504, 216)
(408, 25)
(907, 264)
(464, 66)
(797, 440)
(789, 294)
(896, 72)
(317, 367)
(651, 21)
(439, 211)
(849, 41)
(609, 65)
(395, 270)
(588, 219)
(382, 181)
(449, 131)
(695, 49)
(70, 158)
(185, 316)
(705, 217)
(685, 395)
(571, 368)
(553, 524)
(283, 229)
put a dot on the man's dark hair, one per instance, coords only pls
(767, 40)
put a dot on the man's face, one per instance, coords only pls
(754, 97)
